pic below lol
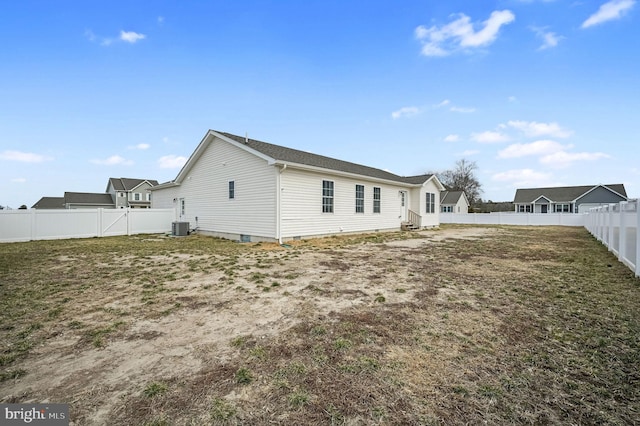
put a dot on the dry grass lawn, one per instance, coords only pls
(460, 325)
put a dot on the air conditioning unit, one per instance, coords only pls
(180, 229)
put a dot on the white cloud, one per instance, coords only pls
(460, 34)
(171, 162)
(160, 20)
(469, 152)
(405, 112)
(489, 137)
(24, 157)
(453, 108)
(549, 39)
(523, 178)
(95, 39)
(452, 138)
(114, 160)
(140, 146)
(542, 147)
(462, 109)
(512, 99)
(535, 129)
(125, 36)
(18, 180)
(131, 36)
(564, 159)
(609, 11)
(89, 35)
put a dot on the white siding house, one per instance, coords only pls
(249, 190)
(454, 202)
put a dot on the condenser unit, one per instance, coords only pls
(180, 229)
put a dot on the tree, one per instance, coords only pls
(462, 178)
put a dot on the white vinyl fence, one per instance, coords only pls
(616, 226)
(513, 218)
(28, 225)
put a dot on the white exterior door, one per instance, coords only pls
(403, 205)
(181, 210)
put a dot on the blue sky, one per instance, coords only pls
(537, 93)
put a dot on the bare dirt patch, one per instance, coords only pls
(458, 325)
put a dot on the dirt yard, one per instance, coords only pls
(456, 325)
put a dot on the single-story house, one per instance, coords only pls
(127, 192)
(244, 189)
(454, 202)
(75, 200)
(87, 200)
(567, 199)
(49, 203)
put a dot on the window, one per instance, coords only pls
(431, 202)
(562, 208)
(524, 208)
(232, 189)
(446, 209)
(359, 198)
(376, 200)
(327, 196)
(136, 196)
(148, 196)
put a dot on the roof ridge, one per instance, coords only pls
(294, 155)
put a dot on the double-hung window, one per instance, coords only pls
(376, 199)
(431, 202)
(359, 198)
(327, 196)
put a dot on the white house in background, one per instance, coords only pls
(454, 202)
(243, 189)
(567, 199)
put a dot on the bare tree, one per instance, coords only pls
(462, 178)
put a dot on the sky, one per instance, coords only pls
(536, 92)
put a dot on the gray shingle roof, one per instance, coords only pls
(49, 203)
(289, 155)
(450, 197)
(88, 198)
(127, 184)
(561, 194)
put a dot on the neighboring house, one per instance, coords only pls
(127, 192)
(49, 203)
(567, 199)
(454, 202)
(75, 200)
(87, 200)
(247, 190)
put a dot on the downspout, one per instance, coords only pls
(279, 205)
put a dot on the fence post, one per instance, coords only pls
(100, 220)
(637, 264)
(622, 237)
(610, 228)
(34, 225)
(128, 216)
